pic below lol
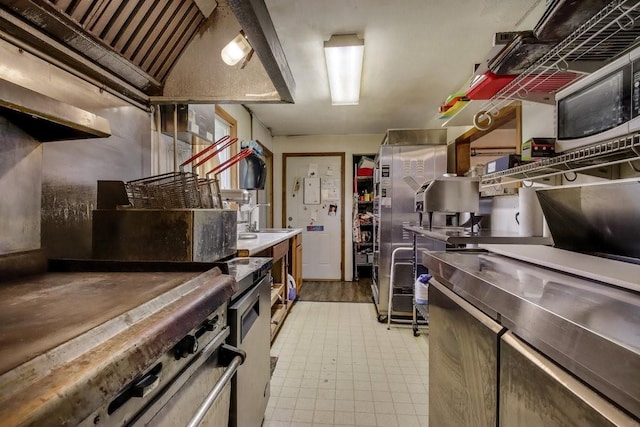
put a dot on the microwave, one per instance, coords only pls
(602, 106)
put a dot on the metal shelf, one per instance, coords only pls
(621, 150)
(607, 34)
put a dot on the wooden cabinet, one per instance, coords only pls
(287, 259)
(296, 261)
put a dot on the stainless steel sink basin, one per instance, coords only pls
(247, 236)
(273, 230)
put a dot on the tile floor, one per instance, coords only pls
(337, 366)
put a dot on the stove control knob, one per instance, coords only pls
(210, 324)
(187, 345)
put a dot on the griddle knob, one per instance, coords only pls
(210, 325)
(186, 346)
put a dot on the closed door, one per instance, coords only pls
(314, 201)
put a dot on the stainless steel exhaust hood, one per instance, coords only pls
(47, 119)
(156, 51)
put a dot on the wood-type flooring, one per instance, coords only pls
(338, 291)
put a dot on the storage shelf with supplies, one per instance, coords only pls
(605, 35)
(363, 217)
(616, 151)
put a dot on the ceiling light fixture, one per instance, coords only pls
(236, 50)
(344, 55)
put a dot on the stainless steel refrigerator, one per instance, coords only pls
(405, 154)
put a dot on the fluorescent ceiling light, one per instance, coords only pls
(236, 50)
(344, 55)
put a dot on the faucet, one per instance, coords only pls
(253, 226)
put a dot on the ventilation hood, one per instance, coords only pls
(47, 119)
(156, 51)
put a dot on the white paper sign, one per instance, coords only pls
(330, 189)
(311, 192)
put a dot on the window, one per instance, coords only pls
(223, 128)
(226, 124)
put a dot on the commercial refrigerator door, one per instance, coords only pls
(463, 362)
(535, 392)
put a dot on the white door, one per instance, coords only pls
(315, 203)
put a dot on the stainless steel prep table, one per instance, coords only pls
(462, 236)
(588, 328)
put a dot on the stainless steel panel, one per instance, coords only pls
(179, 410)
(461, 236)
(452, 194)
(69, 185)
(596, 218)
(535, 392)
(21, 188)
(582, 325)
(250, 321)
(463, 362)
(415, 137)
(396, 203)
(181, 235)
(48, 119)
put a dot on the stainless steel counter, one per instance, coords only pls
(589, 328)
(461, 236)
(265, 239)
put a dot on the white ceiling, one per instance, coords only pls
(417, 52)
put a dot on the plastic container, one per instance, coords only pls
(420, 292)
(291, 288)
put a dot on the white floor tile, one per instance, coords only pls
(325, 405)
(338, 366)
(325, 417)
(365, 419)
(302, 415)
(345, 405)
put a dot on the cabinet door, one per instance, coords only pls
(463, 362)
(297, 265)
(534, 392)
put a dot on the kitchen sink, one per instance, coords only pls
(274, 230)
(247, 236)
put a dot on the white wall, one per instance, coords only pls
(350, 145)
(262, 133)
(538, 120)
(238, 112)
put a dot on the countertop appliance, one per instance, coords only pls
(422, 155)
(117, 344)
(601, 106)
(250, 324)
(449, 194)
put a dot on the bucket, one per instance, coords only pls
(421, 287)
(291, 288)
